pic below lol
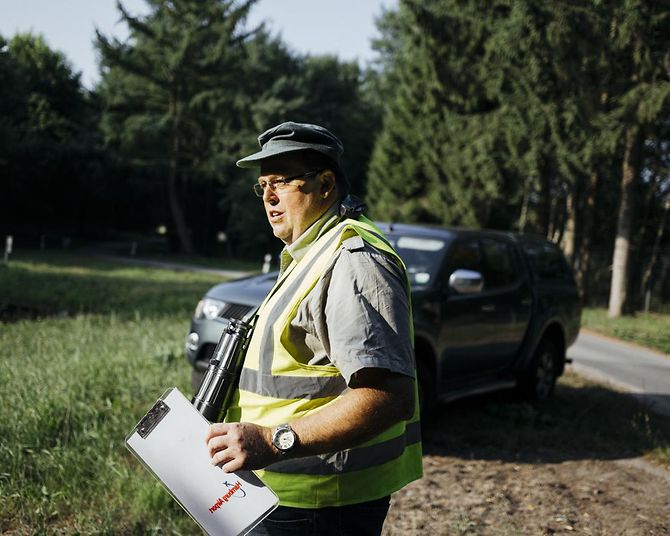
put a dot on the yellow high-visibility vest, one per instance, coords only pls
(276, 387)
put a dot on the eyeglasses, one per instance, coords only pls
(282, 185)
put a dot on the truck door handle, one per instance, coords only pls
(488, 308)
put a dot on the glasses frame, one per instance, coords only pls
(259, 190)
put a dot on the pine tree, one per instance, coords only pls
(436, 101)
(175, 80)
(640, 47)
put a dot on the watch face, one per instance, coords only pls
(285, 439)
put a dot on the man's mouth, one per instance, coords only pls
(274, 215)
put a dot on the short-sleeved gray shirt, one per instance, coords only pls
(357, 315)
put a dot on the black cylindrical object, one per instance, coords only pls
(220, 381)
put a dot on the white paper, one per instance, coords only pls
(175, 451)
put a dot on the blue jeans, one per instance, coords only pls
(363, 519)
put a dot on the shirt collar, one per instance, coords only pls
(298, 249)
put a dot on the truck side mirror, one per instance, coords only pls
(466, 282)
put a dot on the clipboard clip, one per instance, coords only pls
(155, 415)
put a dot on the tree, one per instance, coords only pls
(436, 99)
(189, 93)
(47, 131)
(524, 115)
(173, 84)
(641, 92)
(481, 114)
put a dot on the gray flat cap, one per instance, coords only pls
(289, 137)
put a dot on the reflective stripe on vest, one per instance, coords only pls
(353, 459)
(275, 387)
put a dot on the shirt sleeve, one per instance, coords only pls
(367, 312)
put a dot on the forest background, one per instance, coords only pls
(543, 117)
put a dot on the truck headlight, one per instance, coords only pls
(192, 341)
(209, 308)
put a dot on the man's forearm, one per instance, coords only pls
(376, 401)
(359, 415)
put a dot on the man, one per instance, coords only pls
(326, 404)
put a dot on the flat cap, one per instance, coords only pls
(289, 137)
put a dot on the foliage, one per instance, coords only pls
(482, 102)
(47, 134)
(187, 95)
(512, 114)
(515, 115)
(170, 88)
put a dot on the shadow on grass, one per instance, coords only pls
(584, 421)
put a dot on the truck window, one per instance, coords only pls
(465, 255)
(500, 268)
(548, 262)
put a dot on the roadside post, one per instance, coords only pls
(9, 242)
(266, 263)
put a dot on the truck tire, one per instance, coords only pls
(426, 393)
(537, 382)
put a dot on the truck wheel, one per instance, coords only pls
(426, 393)
(537, 382)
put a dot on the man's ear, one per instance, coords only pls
(327, 180)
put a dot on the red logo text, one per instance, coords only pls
(226, 497)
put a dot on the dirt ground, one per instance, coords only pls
(495, 467)
(493, 497)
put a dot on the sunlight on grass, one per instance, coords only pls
(647, 329)
(69, 284)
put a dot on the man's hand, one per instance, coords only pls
(237, 446)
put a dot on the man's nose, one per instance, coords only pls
(270, 196)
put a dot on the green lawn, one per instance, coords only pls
(74, 384)
(652, 330)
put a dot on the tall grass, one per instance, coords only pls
(72, 387)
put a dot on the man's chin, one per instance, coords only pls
(282, 234)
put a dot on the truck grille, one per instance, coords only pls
(235, 310)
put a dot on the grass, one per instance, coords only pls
(60, 284)
(647, 329)
(206, 262)
(74, 386)
(107, 340)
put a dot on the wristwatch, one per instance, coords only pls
(284, 438)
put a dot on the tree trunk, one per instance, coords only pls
(620, 259)
(559, 217)
(525, 202)
(569, 237)
(584, 253)
(183, 231)
(647, 284)
(544, 207)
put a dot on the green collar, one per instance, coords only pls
(298, 249)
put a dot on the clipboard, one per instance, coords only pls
(170, 442)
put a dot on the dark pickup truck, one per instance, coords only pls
(492, 310)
